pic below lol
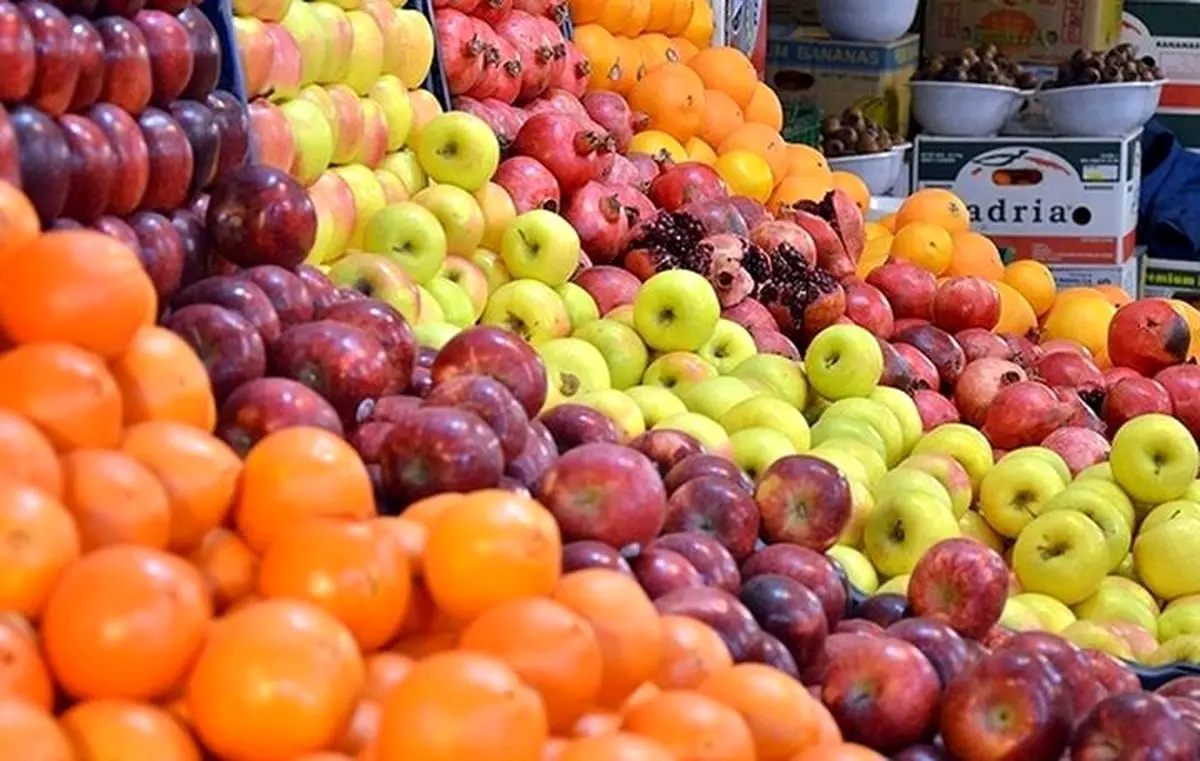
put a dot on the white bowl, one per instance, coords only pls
(879, 171)
(1115, 109)
(867, 20)
(963, 109)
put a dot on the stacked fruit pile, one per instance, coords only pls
(623, 41)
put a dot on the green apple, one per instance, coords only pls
(467, 276)
(677, 369)
(1113, 604)
(784, 377)
(492, 267)
(459, 149)
(1111, 492)
(973, 526)
(1126, 569)
(622, 314)
(949, 474)
(1193, 492)
(656, 403)
(455, 303)
(392, 96)
(1183, 648)
(857, 568)
(1014, 492)
(1101, 471)
(705, 430)
(459, 213)
(580, 305)
(729, 346)
(901, 529)
(1165, 557)
(435, 335)
(847, 463)
(1017, 617)
(713, 397)
(878, 417)
(541, 245)
(902, 481)
(827, 428)
(1179, 508)
(1042, 453)
(403, 163)
(305, 27)
(528, 308)
(368, 198)
(676, 310)
(962, 442)
(411, 235)
(1179, 602)
(1117, 536)
(843, 361)
(379, 277)
(573, 368)
(1179, 620)
(816, 408)
(623, 410)
(1052, 614)
(622, 348)
(1095, 636)
(872, 462)
(904, 408)
(756, 449)
(430, 310)
(1061, 554)
(771, 412)
(861, 505)
(313, 137)
(897, 585)
(1132, 587)
(1154, 458)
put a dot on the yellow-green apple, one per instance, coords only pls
(413, 65)
(843, 361)
(973, 526)
(369, 198)
(897, 585)
(287, 69)
(862, 505)
(1018, 618)
(270, 135)
(254, 47)
(313, 41)
(541, 245)
(392, 30)
(756, 449)
(1117, 536)
(425, 107)
(459, 214)
(962, 442)
(949, 473)
(1182, 648)
(1042, 453)
(828, 428)
(1094, 635)
(871, 460)
(656, 403)
(411, 235)
(803, 500)
(321, 97)
(783, 376)
(272, 10)
(729, 345)
(393, 189)
(246, 8)
(1061, 554)
(904, 408)
(713, 397)
(621, 348)
(1101, 470)
(1141, 642)
(856, 566)
(366, 54)
(1179, 619)
(460, 149)
(430, 309)
(574, 367)
(1126, 570)
(1193, 491)
(388, 91)
(677, 369)
(312, 136)
(1053, 615)
(530, 309)
(902, 528)
(498, 210)
(457, 306)
(373, 147)
(771, 412)
(1165, 557)
(336, 216)
(467, 276)
(847, 463)
(902, 480)
(620, 408)
(878, 417)
(1154, 458)
(676, 310)
(962, 584)
(1014, 492)
(492, 267)
(339, 36)
(1111, 492)
(623, 314)
(1132, 587)
(1113, 604)
(350, 129)
(435, 335)
(1179, 508)
(378, 277)
(706, 430)
(580, 305)
(403, 163)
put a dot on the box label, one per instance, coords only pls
(1124, 276)
(1028, 30)
(1171, 279)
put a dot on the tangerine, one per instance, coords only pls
(1034, 281)
(161, 378)
(975, 255)
(804, 159)
(924, 244)
(227, 564)
(1084, 319)
(760, 139)
(691, 652)
(122, 729)
(727, 70)
(672, 97)
(692, 725)
(839, 752)
(114, 499)
(38, 540)
(720, 116)
(699, 30)
(765, 108)
(34, 732)
(1115, 294)
(23, 673)
(686, 49)
(28, 456)
(19, 226)
(852, 185)
(783, 717)
(619, 746)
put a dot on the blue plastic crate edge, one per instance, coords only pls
(436, 81)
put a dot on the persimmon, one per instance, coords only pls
(115, 500)
(34, 732)
(118, 729)
(692, 725)
(38, 540)
(227, 564)
(23, 673)
(691, 652)
(26, 455)
(161, 378)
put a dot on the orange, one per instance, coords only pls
(28, 456)
(67, 392)
(491, 713)
(19, 226)
(114, 499)
(228, 566)
(656, 142)
(691, 652)
(936, 206)
(840, 752)
(123, 729)
(34, 732)
(630, 62)
(161, 378)
(889, 222)
(38, 540)
(78, 286)
(672, 97)
(693, 726)
(852, 185)
(804, 160)
(619, 746)
(760, 139)
(796, 188)
(657, 48)
(720, 117)
(23, 673)
(746, 174)
(764, 108)
(384, 671)
(600, 48)
(585, 12)
(1083, 318)
(660, 15)
(728, 70)
(489, 547)
(925, 245)
(876, 251)
(614, 14)
(783, 717)
(686, 49)
(698, 150)
(1034, 281)
(635, 23)
(1016, 316)
(426, 511)
(1192, 315)
(975, 254)
(682, 12)
(1114, 293)
(699, 30)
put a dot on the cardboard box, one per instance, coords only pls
(1058, 200)
(1172, 279)
(797, 11)
(1038, 31)
(1170, 31)
(804, 66)
(1127, 275)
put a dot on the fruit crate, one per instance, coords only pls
(802, 123)
(436, 81)
(220, 14)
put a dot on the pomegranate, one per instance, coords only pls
(904, 323)
(924, 372)
(573, 155)
(509, 118)
(461, 6)
(803, 300)
(980, 383)
(1081, 415)
(751, 315)
(563, 102)
(1065, 344)
(637, 205)
(752, 211)
(934, 409)
(867, 307)
(1182, 383)
(678, 185)
(908, 288)
(1114, 375)
(897, 371)
(573, 73)
(596, 213)
(1132, 397)
(1071, 370)
(492, 12)
(611, 111)
(648, 168)
(1024, 351)
(771, 234)
(530, 184)
(774, 342)
(665, 241)
(554, 10)
(502, 81)
(941, 348)
(978, 342)
(1023, 414)
(1149, 336)
(1080, 448)
(730, 261)
(536, 51)
(718, 216)
(966, 302)
(558, 43)
(462, 48)
(837, 227)
(622, 172)
(495, 118)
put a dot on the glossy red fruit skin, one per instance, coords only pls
(57, 58)
(259, 215)
(18, 60)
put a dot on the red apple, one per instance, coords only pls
(583, 554)
(161, 250)
(18, 55)
(10, 160)
(883, 609)
(715, 563)
(128, 81)
(204, 136)
(133, 156)
(89, 47)
(536, 456)
(868, 307)
(1133, 724)
(286, 291)
(229, 346)
(436, 450)
(206, 53)
(769, 651)
(699, 465)
(196, 249)
(666, 448)
(500, 354)
(661, 571)
(57, 56)
(980, 383)
(934, 409)
(966, 302)
(1182, 383)
(610, 287)
(45, 161)
(266, 405)
(1079, 447)
(1113, 674)
(119, 229)
(259, 215)
(723, 612)
(490, 400)
(388, 409)
(909, 289)
(170, 48)
(922, 752)
(239, 295)
(1136, 396)
(573, 425)
(961, 583)
(789, 611)
(803, 500)
(119, 7)
(93, 168)
(1081, 686)
(1148, 335)
(810, 568)
(171, 160)
(716, 506)
(233, 122)
(947, 652)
